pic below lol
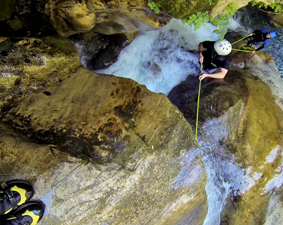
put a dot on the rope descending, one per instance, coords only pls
(245, 47)
(196, 134)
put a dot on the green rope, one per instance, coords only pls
(244, 48)
(241, 39)
(196, 134)
(240, 50)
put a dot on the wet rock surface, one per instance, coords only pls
(98, 51)
(104, 150)
(30, 64)
(246, 15)
(241, 142)
(149, 169)
(112, 17)
(159, 190)
(217, 96)
(114, 123)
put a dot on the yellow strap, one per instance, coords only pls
(22, 193)
(8, 211)
(35, 218)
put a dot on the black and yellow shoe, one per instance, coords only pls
(13, 194)
(29, 213)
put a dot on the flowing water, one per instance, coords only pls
(163, 58)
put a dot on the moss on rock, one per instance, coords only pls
(6, 9)
(182, 9)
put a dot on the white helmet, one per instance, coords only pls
(222, 47)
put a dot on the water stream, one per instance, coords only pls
(163, 58)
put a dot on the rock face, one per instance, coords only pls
(99, 51)
(162, 189)
(104, 150)
(29, 64)
(273, 17)
(240, 135)
(107, 119)
(145, 165)
(110, 17)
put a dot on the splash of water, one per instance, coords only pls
(163, 58)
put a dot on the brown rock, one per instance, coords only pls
(101, 117)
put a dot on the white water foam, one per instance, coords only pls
(163, 58)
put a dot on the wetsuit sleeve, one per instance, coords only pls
(227, 64)
(261, 47)
(264, 30)
(257, 32)
(208, 44)
(266, 42)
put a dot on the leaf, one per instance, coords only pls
(225, 28)
(218, 31)
(215, 22)
(278, 8)
(222, 36)
(157, 10)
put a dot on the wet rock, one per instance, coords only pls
(161, 189)
(99, 51)
(115, 17)
(112, 125)
(240, 129)
(28, 62)
(273, 17)
(227, 92)
(28, 18)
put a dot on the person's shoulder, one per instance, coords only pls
(207, 44)
(225, 57)
(257, 31)
(264, 30)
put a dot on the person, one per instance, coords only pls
(215, 58)
(15, 205)
(260, 36)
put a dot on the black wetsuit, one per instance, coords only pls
(257, 37)
(211, 60)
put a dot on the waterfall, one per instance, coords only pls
(161, 59)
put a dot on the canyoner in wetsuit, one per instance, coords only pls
(260, 36)
(215, 58)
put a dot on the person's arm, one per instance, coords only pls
(219, 75)
(200, 50)
(261, 47)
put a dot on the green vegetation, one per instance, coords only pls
(197, 18)
(201, 18)
(181, 9)
(212, 2)
(275, 7)
(154, 6)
